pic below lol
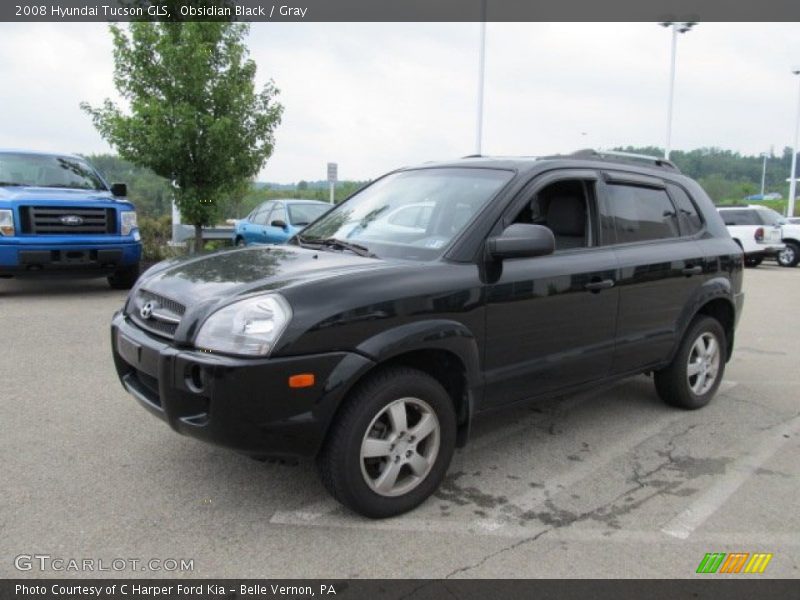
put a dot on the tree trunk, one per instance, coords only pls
(198, 239)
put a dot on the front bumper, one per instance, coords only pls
(32, 259)
(243, 404)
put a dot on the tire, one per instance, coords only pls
(358, 472)
(753, 261)
(240, 243)
(789, 256)
(675, 385)
(124, 278)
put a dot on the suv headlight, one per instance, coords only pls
(6, 222)
(248, 328)
(128, 221)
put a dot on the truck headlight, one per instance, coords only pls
(6, 222)
(128, 221)
(248, 328)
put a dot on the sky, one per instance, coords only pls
(376, 96)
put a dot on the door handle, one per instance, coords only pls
(695, 270)
(596, 286)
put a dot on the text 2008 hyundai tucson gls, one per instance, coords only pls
(376, 336)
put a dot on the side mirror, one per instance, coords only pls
(279, 223)
(521, 240)
(120, 190)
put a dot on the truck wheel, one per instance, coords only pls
(124, 278)
(693, 376)
(391, 443)
(753, 261)
(790, 255)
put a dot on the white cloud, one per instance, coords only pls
(377, 96)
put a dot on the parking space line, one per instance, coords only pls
(684, 524)
(535, 497)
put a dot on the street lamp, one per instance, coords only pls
(677, 27)
(764, 155)
(793, 176)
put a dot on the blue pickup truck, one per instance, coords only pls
(58, 216)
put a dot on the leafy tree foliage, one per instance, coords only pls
(195, 116)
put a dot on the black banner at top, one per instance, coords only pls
(398, 10)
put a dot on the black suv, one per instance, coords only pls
(375, 337)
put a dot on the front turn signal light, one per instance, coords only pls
(301, 380)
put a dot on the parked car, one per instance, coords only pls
(59, 216)
(275, 221)
(756, 229)
(373, 353)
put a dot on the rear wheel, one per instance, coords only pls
(391, 443)
(124, 278)
(790, 255)
(240, 242)
(693, 376)
(753, 261)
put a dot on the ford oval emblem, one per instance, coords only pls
(71, 220)
(147, 310)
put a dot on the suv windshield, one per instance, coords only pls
(410, 214)
(35, 170)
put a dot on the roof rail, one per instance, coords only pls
(629, 157)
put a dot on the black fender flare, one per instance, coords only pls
(434, 334)
(713, 289)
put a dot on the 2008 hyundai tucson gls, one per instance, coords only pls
(376, 336)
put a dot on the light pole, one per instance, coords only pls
(677, 27)
(793, 176)
(763, 173)
(481, 69)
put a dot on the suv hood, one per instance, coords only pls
(221, 277)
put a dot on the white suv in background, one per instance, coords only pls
(757, 230)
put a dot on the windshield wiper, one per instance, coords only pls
(336, 243)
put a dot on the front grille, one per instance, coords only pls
(164, 314)
(67, 220)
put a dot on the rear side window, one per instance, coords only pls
(688, 216)
(740, 217)
(641, 213)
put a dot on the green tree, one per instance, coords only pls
(196, 117)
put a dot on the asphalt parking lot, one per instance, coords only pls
(606, 484)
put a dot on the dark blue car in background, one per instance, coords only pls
(275, 221)
(59, 216)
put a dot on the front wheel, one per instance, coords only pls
(124, 277)
(240, 243)
(790, 255)
(693, 376)
(391, 443)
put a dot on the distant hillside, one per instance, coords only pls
(728, 175)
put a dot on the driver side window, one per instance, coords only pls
(564, 207)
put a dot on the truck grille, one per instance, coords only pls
(67, 220)
(157, 314)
